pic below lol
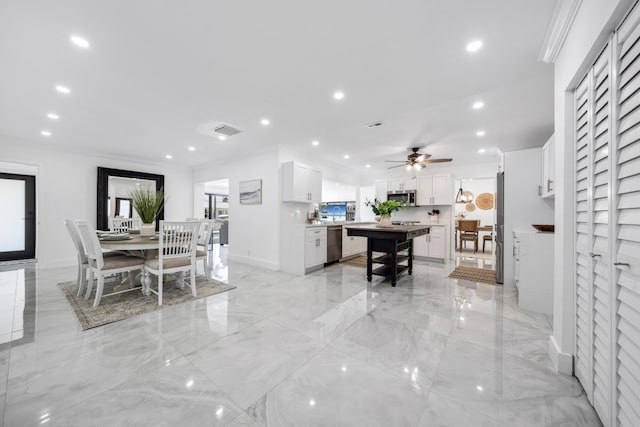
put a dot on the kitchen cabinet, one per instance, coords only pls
(547, 186)
(434, 190)
(382, 186)
(301, 183)
(315, 248)
(533, 270)
(402, 184)
(352, 245)
(432, 245)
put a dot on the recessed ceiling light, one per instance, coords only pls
(346, 156)
(482, 150)
(480, 133)
(192, 148)
(478, 105)
(222, 137)
(53, 116)
(63, 89)
(315, 143)
(169, 156)
(80, 42)
(338, 95)
(367, 166)
(45, 133)
(265, 122)
(474, 46)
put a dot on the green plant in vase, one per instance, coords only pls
(148, 203)
(384, 209)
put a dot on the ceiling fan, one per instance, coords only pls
(417, 160)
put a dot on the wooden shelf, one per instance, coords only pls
(387, 270)
(387, 259)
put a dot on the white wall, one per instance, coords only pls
(66, 188)
(334, 191)
(254, 230)
(522, 205)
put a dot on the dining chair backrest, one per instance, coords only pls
(178, 239)
(77, 240)
(468, 225)
(91, 244)
(206, 229)
(125, 224)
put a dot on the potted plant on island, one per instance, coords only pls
(384, 209)
(434, 215)
(148, 203)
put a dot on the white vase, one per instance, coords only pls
(385, 221)
(434, 219)
(147, 230)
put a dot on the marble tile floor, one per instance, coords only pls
(326, 349)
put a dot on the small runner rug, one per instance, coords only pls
(129, 304)
(359, 261)
(474, 275)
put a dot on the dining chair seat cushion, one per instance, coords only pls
(120, 261)
(168, 263)
(201, 253)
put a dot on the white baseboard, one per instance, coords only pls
(562, 362)
(254, 261)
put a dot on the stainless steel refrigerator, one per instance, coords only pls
(500, 228)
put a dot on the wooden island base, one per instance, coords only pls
(391, 241)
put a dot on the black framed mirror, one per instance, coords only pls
(105, 177)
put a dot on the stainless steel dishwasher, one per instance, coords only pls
(334, 243)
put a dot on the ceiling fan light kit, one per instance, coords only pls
(417, 160)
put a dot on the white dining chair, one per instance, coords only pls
(176, 253)
(81, 254)
(99, 266)
(124, 225)
(202, 248)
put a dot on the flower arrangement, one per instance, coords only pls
(386, 208)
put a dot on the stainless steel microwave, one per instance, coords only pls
(408, 197)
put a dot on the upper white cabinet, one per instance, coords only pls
(434, 190)
(547, 187)
(402, 184)
(301, 183)
(382, 186)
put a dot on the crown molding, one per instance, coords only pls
(563, 16)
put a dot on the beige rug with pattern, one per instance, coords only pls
(129, 304)
(474, 275)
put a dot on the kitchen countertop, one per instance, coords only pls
(329, 224)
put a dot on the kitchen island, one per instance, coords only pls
(389, 240)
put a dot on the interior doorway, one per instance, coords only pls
(17, 217)
(475, 201)
(212, 202)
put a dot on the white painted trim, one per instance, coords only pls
(562, 362)
(254, 261)
(561, 21)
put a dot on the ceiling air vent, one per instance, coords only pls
(226, 130)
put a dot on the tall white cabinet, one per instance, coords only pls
(607, 228)
(301, 183)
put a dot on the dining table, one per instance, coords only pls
(134, 245)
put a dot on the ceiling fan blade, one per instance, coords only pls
(399, 166)
(396, 161)
(437, 160)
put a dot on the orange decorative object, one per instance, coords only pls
(470, 207)
(484, 201)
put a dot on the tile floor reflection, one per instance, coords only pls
(326, 349)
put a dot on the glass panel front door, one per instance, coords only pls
(17, 217)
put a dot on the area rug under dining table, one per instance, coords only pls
(129, 304)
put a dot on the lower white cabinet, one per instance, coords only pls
(533, 270)
(352, 245)
(315, 248)
(432, 245)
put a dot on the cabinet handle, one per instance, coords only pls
(317, 242)
(626, 264)
(592, 255)
(549, 184)
(539, 190)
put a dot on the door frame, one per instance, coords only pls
(29, 251)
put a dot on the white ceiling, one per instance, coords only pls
(158, 70)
